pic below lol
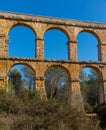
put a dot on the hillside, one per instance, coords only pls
(27, 111)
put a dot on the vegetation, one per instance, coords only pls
(90, 89)
(29, 112)
(56, 83)
(16, 82)
(29, 77)
(21, 79)
(23, 109)
(101, 112)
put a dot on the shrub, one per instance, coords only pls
(101, 112)
(9, 103)
(28, 96)
(28, 112)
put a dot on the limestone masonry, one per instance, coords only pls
(71, 28)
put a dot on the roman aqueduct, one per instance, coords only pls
(71, 28)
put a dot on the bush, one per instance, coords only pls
(52, 115)
(101, 112)
(26, 95)
(8, 103)
(28, 112)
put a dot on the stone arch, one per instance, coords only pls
(96, 68)
(56, 39)
(21, 24)
(59, 83)
(88, 42)
(91, 32)
(60, 29)
(26, 35)
(22, 64)
(100, 81)
(24, 81)
(61, 66)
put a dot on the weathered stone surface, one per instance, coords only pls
(71, 28)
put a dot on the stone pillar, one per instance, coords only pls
(72, 50)
(3, 82)
(3, 64)
(39, 48)
(3, 74)
(102, 52)
(40, 86)
(75, 95)
(104, 84)
(3, 46)
(101, 91)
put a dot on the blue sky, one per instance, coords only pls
(88, 10)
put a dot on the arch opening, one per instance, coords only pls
(21, 42)
(91, 87)
(87, 46)
(21, 78)
(57, 83)
(55, 45)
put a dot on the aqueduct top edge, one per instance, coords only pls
(50, 20)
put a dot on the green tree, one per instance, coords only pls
(16, 82)
(89, 88)
(56, 82)
(93, 83)
(29, 77)
(83, 85)
(83, 76)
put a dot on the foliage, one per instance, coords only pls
(26, 95)
(29, 76)
(56, 82)
(8, 104)
(90, 89)
(93, 84)
(41, 115)
(28, 112)
(16, 82)
(101, 112)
